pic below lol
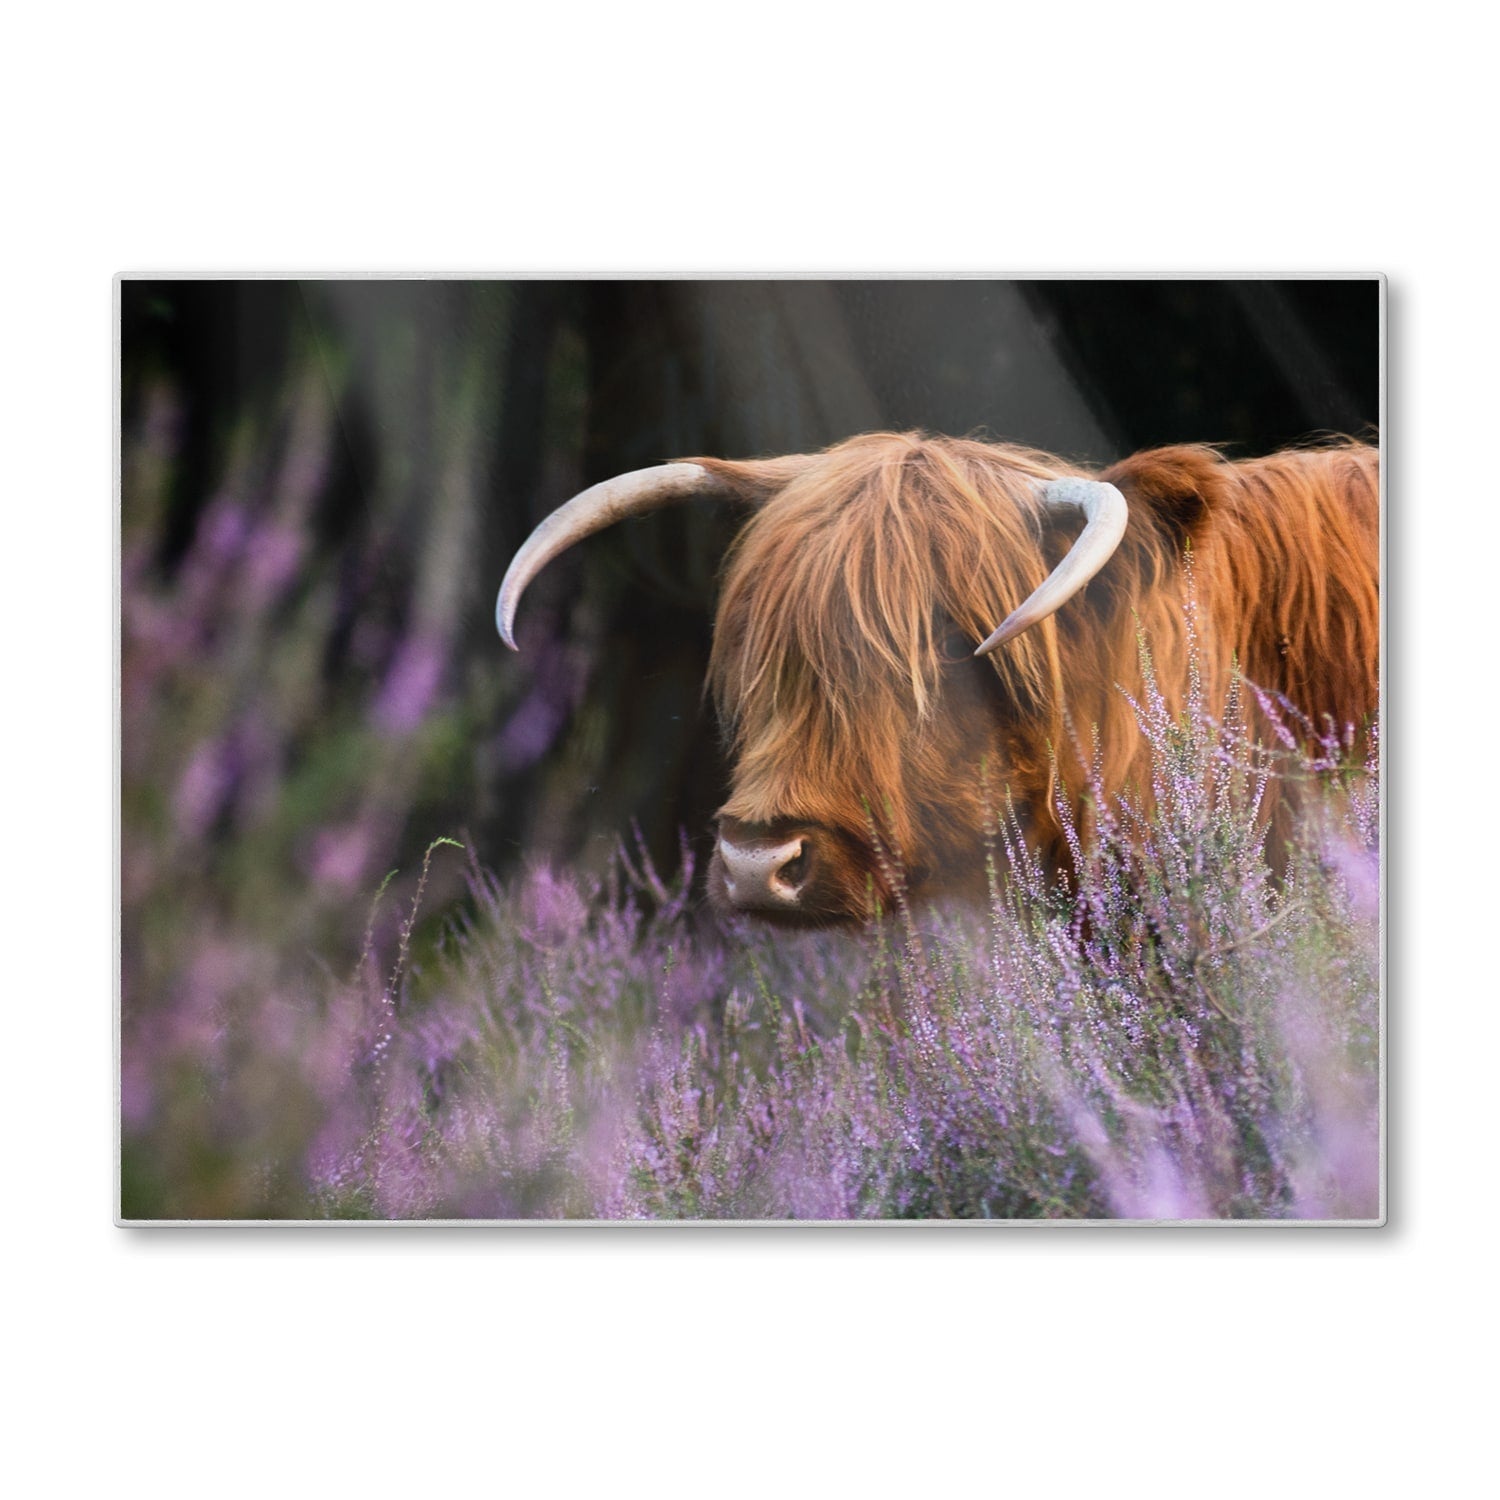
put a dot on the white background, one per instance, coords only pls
(924, 139)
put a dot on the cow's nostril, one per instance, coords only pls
(794, 871)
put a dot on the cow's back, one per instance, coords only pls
(1291, 551)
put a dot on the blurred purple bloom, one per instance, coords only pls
(137, 1093)
(272, 557)
(1360, 868)
(341, 856)
(531, 731)
(410, 686)
(557, 687)
(204, 788)
(224, 530)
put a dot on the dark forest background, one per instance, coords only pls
(323, 482)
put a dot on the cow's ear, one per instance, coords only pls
(1175, 487)
(755, 480)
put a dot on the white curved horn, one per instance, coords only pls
(1105, 508)
(595, 508)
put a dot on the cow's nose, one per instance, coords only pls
(765, 876)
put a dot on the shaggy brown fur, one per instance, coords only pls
(854, 597)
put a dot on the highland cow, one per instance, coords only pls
(873, 742)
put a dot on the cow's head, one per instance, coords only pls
(871, 738)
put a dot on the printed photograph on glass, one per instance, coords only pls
(750, 751)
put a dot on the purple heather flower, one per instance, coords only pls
(204, 788)
(341, 856)
(272, 557)
(224, 530)
(411, 685)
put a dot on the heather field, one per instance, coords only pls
(1183, 1040)
(1173, 1035)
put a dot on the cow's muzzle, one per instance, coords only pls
(794, 874)
(765, 874)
